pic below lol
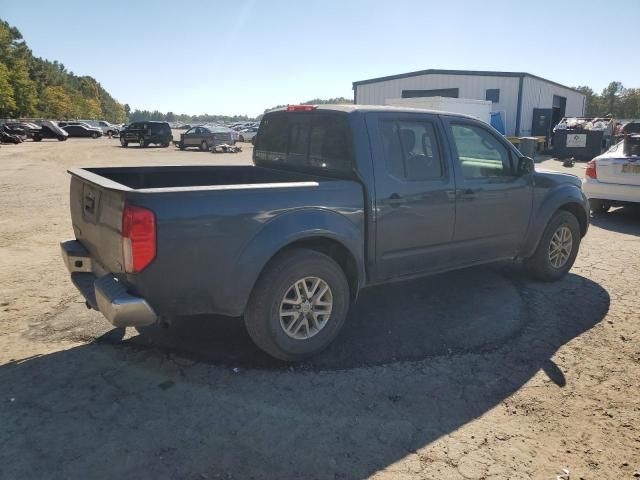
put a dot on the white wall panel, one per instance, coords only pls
(470, 86)
(536, 93)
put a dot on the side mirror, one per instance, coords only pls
(525, 165)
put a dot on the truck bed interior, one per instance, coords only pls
(196, 176)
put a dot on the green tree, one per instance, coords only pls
(611, 97)
(7, 102)
(56, 103)
(24, 89)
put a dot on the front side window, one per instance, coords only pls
(411, 150)
(310, 140)
(480, 154)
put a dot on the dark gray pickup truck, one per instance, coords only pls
(340, 198)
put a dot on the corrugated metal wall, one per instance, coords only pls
(535, 94)
(539, 94)
(471, 86)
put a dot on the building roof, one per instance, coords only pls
(480, 73)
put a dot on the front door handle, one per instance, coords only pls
(468, 193)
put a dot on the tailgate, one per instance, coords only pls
(96, 214)
(623, 171)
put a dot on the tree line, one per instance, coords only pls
(34, 87)
(615, 100)
(141, 115)
(318, 101)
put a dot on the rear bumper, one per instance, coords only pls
(105, 293)
(611, 191)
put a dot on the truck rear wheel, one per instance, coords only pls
(557, 249)
(298, 305)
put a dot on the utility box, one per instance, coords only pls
(480, 109)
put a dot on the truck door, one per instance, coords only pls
(493, 203)
(414, 193)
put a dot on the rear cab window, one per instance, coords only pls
(313, 141)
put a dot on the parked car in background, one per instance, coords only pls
(247, 134)
(31, 130)
(205, 138)
(78, 130)
(106, 127)
(146, 133)
(65, 123)
(11, 135)
(340, 198)
(51, 129)
(613, 178)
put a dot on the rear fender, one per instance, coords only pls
(284, 230)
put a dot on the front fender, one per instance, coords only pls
(283, 230)
(566, 196)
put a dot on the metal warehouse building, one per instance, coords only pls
(529, 105)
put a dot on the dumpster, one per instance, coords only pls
(582, 138)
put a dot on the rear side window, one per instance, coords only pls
(411, 150)
(314, 140)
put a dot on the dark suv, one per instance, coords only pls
(145, 133)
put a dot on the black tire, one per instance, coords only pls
(37, 138)
(262, 315)
(598, 207)
(539, 264)
(204, 146)
(181, 146)
(123, 142)
(94, 135)
(166, 144)
(241, 138)
(141, 142)
(62, 139)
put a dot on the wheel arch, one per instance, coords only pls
(566, 198)
(317, 229)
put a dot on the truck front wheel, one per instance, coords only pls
(557, 249)
(298, 305)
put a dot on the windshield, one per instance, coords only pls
(306, 140)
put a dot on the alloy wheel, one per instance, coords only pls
(306, 308)
(560, 246)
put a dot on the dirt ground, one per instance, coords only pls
(478, 374)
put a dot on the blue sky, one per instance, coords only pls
(243, 56)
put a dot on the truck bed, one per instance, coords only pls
(187, 177)
(213, 226)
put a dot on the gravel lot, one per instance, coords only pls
(475, 374)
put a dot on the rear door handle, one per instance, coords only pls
(394, 199)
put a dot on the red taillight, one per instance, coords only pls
(300, 108)
(591, 170)
(138, 238)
